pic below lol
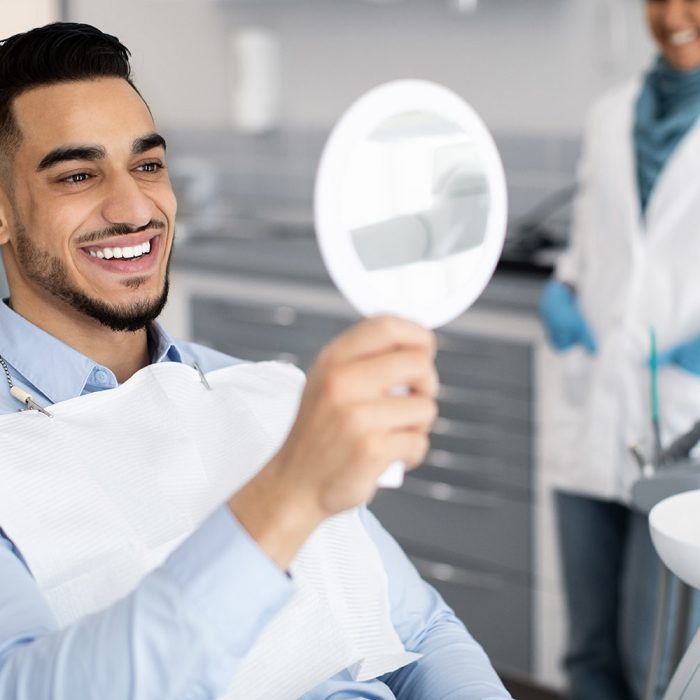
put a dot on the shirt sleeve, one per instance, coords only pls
(179, 635)
(453, 665)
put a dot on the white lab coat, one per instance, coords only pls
(630, 276)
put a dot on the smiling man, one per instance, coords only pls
(89, 219)
(172, 549)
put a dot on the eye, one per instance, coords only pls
(75, 178)
(152, 167)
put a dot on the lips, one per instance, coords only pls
(134, 253)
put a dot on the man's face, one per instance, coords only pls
(675, 24)
(92, 210)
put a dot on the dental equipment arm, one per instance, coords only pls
(680, 448)
(455, 223)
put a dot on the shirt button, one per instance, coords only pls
(101, 376)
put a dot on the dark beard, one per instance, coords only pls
(50, 274)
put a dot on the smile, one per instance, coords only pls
(134, 256)
(685, 37)
(127, 252)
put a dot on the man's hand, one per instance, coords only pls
(350, 426)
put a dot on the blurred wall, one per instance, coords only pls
(528, 66)
(19, 16)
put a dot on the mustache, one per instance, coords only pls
(118, 230)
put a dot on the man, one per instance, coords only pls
(86, 229)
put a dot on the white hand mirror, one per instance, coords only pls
(410, 206)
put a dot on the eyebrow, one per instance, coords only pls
(63, 153)
(91, 152)
(146, 143)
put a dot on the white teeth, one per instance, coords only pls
(684, 37)
(127, 252)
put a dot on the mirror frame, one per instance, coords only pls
(356, 125)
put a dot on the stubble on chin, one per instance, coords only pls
(49, 272)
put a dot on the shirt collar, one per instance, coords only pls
(59, 371)
(163, 347)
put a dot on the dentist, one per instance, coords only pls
(632, 266)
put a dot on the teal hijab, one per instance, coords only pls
(666, 110)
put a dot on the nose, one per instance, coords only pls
(126, 202)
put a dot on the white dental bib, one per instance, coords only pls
(98, 496)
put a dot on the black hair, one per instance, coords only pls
(55, 53)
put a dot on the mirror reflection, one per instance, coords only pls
(415, 191)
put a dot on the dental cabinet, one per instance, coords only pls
(476, 518)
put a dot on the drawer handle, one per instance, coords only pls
(284, 315)
(448, 573)
(464, 464)
(288, 357)
(451, 427)
(447, 426)
(460, 394)
(456, 495)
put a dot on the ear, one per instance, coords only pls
(4, 217)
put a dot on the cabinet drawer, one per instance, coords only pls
(513, 449)
(262, 331)
(482, 525)
(480, 472)
(486, 407)
(264, 316)
(484, 363)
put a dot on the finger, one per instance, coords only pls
(392, 414)
(380, 375)
(409, 447)
(379, 335)
(413, 447)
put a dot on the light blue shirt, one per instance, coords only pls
(182, 632)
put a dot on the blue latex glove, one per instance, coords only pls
(685, 355)
(562, 319)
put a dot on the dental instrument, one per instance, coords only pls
(657, 458)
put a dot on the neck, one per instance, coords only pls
(123, 352)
